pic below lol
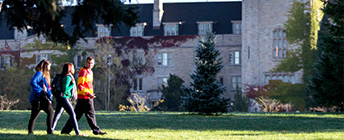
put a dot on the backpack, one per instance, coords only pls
(56, 88)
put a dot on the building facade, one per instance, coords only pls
(247, 33)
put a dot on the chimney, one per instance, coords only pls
(157, 14)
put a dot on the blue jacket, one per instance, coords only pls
(37, 86)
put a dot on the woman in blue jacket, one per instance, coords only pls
(41, 96)
(67, 85)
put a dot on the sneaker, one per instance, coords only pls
(82, 135)
(100, 133)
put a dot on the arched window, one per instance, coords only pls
(292, 79)
(285, 79)
(280, 78)
(267, 78)
(279, 44)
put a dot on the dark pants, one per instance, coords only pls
(35, 110)
(83, 106)
(64, 104)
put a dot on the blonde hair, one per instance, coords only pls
(43, 67)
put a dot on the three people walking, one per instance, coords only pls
(41, 86)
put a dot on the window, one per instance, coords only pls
(40, 57)
(20, 34)
(138, 59)
(137, 84)
(78, 61)
(6, 61)
(286, 78)
(234, 57)
(248, 52)
(164, 59)
(2, 62)
(221, 80)
(138, 30)
(204, 27)
(292, 79)
(162, 81)
(237, 27)
(171, 29)
(236, 82)
(267, 79)
(103, 30)
(279, 44)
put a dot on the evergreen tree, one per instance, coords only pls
(203, 96)
(172, 94)
(240, 103)
(328, 80)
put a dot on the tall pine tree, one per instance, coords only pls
(203, 96)
(328, 80)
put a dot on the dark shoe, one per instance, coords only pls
(100, 133)
(64, 133)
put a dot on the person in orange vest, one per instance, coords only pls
(85, 103)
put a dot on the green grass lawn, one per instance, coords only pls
(174, 125)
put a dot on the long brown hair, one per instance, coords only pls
(43, 67)
(67, 69)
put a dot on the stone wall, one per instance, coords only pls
(259, 19)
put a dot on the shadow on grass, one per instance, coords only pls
(260, 122)
(112, 121)
(48, 137)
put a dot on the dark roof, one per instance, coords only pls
(5, 32)
(222, 13)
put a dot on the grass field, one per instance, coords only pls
(175, 125)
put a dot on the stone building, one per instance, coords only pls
(246, 30)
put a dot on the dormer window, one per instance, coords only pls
(171, 28)
(138, 30)
(236, 26)
(20, 34)
(204, 27)
(103, 30)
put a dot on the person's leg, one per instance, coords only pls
(90, 116)
(58, 112)
(34, 114)
(78, 112)
(50, 112)
(69, 109)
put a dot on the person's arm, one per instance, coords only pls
(66, 85)
(34, 83)
(82, 82)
